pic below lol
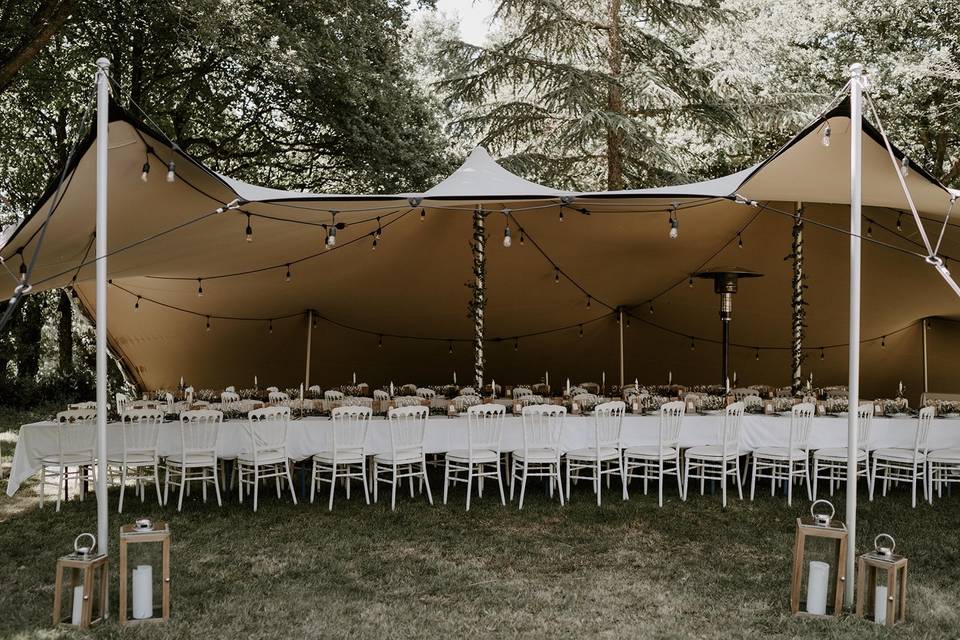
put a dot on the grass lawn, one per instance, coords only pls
(627, 569)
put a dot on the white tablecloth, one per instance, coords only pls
(310, 435)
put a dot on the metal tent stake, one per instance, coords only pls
(853, 383)
(103, 124)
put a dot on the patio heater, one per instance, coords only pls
(725, 283)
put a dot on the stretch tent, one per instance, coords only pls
(395, 313)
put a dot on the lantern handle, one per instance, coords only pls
(884, 551)
(89, 550)
(822, 518)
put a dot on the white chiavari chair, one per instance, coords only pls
(347, 457)
(122, 400)
(380, 394)
(406, 458)
(943, 468)
(904, 464)
(84, 406)
(278, 397)
(520, 392)
(424, 392)
(271, 389)
(229, 400)
(197, 459)
(481, 458)
(740, 393)
(787, 463)
(653, 462)
(604, 457)
(140, 430)
(718, 461)
(540, 455)
(463, 402)
(830, 463)
(407, 401)
(315, 388)
(231, 389)
(265, 455)
(76, 444)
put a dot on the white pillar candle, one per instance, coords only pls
(143, 592)
(734, 378)
(391, 389)
(181, 382)
(354, 377)
(817, 580)
(254, 382)
(77, 614)
(669, 378)
(301, 392)
(568, 386)
(546, 378)
(454, 377)
(880, 605)
(603, 382)
(493, 388)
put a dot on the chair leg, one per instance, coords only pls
(123, 485)
(568, 480)
(393, 489)
(753, 478)
(736, 466)
(216, 485)
(523, 483)
(469, 482)
(873, 479)
(623, 478)
(426, 480)
(363, 479)
(313, 481)
(183, 484)
(446, 479)
(503, 502)
(556, 467)
(333, 484)
(156, 481)
(723, 483)
(685, 485)
(293, 494)
(789, 480)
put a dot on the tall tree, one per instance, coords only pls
(25, 29)
(579, 93)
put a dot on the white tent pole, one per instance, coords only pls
(103, 120)
(621, 349)
(306, 376)
(926, 380)
(853, 384)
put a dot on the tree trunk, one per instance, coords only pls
(65, 333)
(614, 99)
(29, 338)
(47, 20)
(799, 313)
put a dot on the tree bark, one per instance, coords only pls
(46, 21)
(614, 99)
(799, 313)
(29, 337)
(65, 333)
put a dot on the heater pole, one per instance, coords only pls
(853, 384)
(103, 124)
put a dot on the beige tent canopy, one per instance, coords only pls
(400, 311)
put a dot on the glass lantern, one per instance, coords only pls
(818, 555)
(82, 582)
(882, 583)
(144, 562)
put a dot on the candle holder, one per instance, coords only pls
(816, 598)
(517, 408)
(148, 543)
(882, 583)
(452, 410)
(85, 584)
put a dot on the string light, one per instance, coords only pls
(589, 300)
(423, 214)
(757, 356)
(145, 170)
(899, 223)
(516, 344)
(199, 288)
(739, 241)
(883, 342)
(377, 234)
(825, 137)
(249, 231)
(651, 307)
(208, 323)
(905, 166)
(581, 331)
(521, 236)
(690, 282)
(693, 344)
(379, 341)
(561, 214)
(556, 275)
(315, 323)
(136, 306)
(674, 231)
(287, 277)
(171, 171)
(507, 241)
(450, 349)
(869, 230)
(23, 266)
(270, 327)
(821, 353)
(628, 322)
(332, 231)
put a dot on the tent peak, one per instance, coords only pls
(480, 177)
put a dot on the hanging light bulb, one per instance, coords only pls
(74, 294)
(739, 241)
(249, 230)
(757, 356)
(287, 277)
(561, 215)
(374, 246)
(821, 353)
(331, 236)
(589, 299)
(556, 275)
(136, 305)
(899, 222)
(516, 344)
(581, 331)
(674, 231)
(270, 326)
(379, 341)
(423, 215)
(690, 282)
(450, 348)
(869, 230)
(693, 344)
(507, 241)
(23, 268)
(171, 171)
(651, 307)
(145, 171)
(199, 288)
(883, 342)
(628, 322)
(904, 166)
(208, 323)
(521, 236)
(825, 135)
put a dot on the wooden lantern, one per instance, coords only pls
(145, 536)
(691, 407)
(86, 574)
(769, 407)
(815, 599)
(452, 410)
(517, 408)
(882, 583)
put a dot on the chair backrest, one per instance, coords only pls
(355, 401)
(751, 401)
(528, 400)
(406, 401)
(464, 402)
(801, 422)
(229, 399)
(199, 430)
(424, 392)
(122, 401)
(231, 389)
(314, 388)
(380, 394)
(485, 426)
(277, 396)
(407, 428)
(76, 432)
(188, 395)
(350, 426)
(269, 389)
(730, 428)
(267, 430)
(141, 430)
(519, 392)
(331, 394)
(542, 426)
(742, 392)
(608, 423)
(864, 425)
(671, 417)
(924, 422)
(82, 405)
(468, 391)
(171, 404)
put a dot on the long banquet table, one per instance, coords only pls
(307, 436)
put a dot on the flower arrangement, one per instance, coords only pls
(313, 394)
(835, 405)
(895, 407)
(253, 394)
(709, 389)
(712, 403)
(947, 407)
(653, 403)
(208, 395)
(783, 405)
